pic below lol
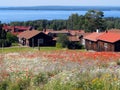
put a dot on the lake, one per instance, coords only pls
(7, 16)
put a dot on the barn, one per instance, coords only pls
(34, 38)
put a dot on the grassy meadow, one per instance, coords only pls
(26, 49)
(50, 68)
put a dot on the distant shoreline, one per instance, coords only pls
(50, 12)
(67, 8)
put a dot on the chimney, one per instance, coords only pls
(97, 30)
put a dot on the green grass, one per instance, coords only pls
(15, 44)
(49, 48)
(25, 49)
(15, 49)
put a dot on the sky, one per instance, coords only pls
(59, 3)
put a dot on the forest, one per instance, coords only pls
(89, 22)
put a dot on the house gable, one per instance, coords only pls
(40, 39)
(34, 38)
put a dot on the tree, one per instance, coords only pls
(44, 24)
(89, 22)
(94, 20)
(63, 40)
(3, 40)
(75, 45)
(70, 23)
(2, 33)
(12, 38)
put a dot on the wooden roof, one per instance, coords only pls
(28, 34)
(93, 36)
(114, 30)
(110, 37)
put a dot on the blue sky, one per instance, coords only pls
(60, 2)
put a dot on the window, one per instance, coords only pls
(105, 45)
(40, 41)
(90, 42)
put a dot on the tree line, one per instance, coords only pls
(89, 22)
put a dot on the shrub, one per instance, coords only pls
(57, 85)
(58, 45)
(5, 43)
(63, 40)
(21, 84)
(4, 85)
(118, 62)
(11, 38)
(42, 78)
(75, 45)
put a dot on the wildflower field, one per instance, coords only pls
(59, 70)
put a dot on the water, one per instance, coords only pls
(7, 16)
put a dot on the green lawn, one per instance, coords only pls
(49, 48)
(14, 49)
(23, 49)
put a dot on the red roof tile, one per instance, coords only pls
(76, 32)
(15, 33)
(72, 32)
(60, 31)
(114, 30)
(7, 27)
(93, 36)
(110, 37)
(28, 34)
(23, 28)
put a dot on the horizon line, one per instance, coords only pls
(59, 6)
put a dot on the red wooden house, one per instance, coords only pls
(91, 41)
(16, 29)
(107, 41)
(34, 38)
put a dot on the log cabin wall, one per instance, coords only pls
(91, 45)
(105, 46)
